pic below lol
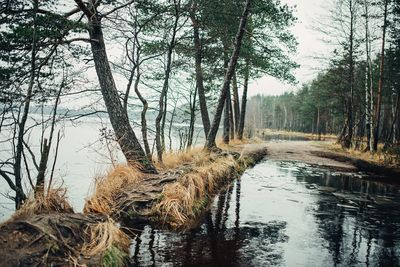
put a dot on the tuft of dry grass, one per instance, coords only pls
(108, 187)
(109, 241)
(172, 160)
(180, 200)
(54, 200)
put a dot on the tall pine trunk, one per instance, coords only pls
(380, 84)
(210, 142)
(244, 101)
(227, 125)
(368, 81)
(235, 100)
(348, 137)
(199, 72)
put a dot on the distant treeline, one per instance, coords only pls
(320, 106)
(357, 96)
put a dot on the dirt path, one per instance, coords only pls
(307, 152)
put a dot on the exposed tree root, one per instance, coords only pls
(46, 232)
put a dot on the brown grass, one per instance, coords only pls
(172, 160)
(55, 200)
(109, 241)
(108, 187)
(237, 142)
(379, 157)
(298, 134)
(181, 200)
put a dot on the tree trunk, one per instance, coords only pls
(380, 84)
(231, 120)
(143, 115)
(226, 120)
(199, 73)
(163, 96)
(126, 137)
(19, 193)
(227, 125)
(392, 134)
(210, 142)
(347, 142)
(244, 100)
(192, 120)
(236, 107)
(368, 81)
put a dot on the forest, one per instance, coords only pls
(130, 134)
(173, 61)
(357, 95)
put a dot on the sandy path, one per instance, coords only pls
(304, 151)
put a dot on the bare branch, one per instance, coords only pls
(117, 8)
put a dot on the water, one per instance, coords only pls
(285, 214)
(82, 157)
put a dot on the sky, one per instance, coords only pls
(310, 46)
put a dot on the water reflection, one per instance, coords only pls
(285, 214)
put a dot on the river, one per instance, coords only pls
(285, 214)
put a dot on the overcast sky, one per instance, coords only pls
(310, 46)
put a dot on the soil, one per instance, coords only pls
(316, 154)
(307, 152)
(47, 239)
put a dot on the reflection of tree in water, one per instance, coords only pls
(364, 235)
(217, 242)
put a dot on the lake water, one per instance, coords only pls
(82, 157)
(285, 214)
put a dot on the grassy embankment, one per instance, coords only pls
(47, 231)
(384, 157)
(194, 177)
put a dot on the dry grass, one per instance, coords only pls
(379, 157)
(55, 200)
(182, 200)
(197, 156)
(108, 187)
(237, 142)
(296, 134)
(109, 241)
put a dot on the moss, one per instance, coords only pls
(114, 257)
(201, 205)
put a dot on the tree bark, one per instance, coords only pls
(19, 194)
(236, 107)
(199, 72)
(210, 142)
(347, 141)
(227, 125)
(192, 120)
(226, 120)
(126, 137)
(380, 84)
(231, 119)
(244, 100)
(160, 144)
(368, 81)
(143, 115)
